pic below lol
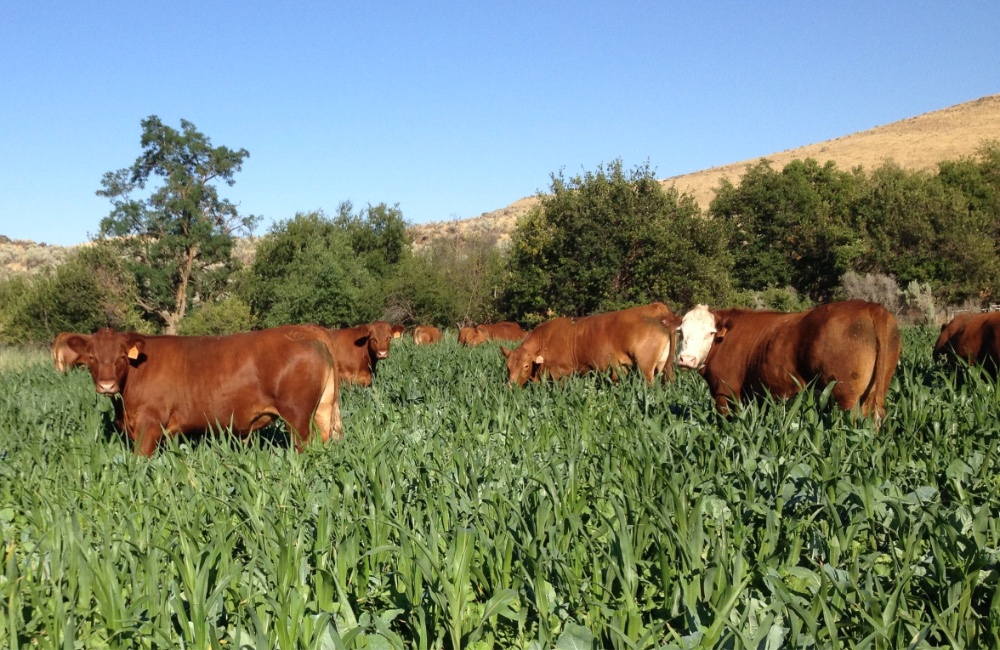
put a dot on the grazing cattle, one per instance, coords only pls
(504, 331)
(741, 352)
(63, 356)
(426, 334)
(397, 331)
(358, 350)
(614, 340)
(185, 384)
(470, 336)
(973, 338)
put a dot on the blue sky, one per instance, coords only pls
(452, 109)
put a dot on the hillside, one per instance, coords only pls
(914, 143)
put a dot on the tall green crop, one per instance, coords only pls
(460, 513)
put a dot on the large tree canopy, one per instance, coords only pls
(177, 237)
(609, 239)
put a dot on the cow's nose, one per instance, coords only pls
(686, 361)
(107, 387)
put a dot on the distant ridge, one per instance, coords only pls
(914, 143)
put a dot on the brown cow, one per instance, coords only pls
(358, 350)
(742, 352)
(183, 384)
(64, 357)
(973, 338)
(471, 336)
(426, 334)
(614, 340)
(503, 331)
(397, 331)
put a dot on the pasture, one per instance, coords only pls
(460, 513)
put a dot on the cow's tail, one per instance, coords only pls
(668, 367)
(887, 350)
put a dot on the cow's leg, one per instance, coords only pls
(327, 415)
(146, 438)
(651, 358)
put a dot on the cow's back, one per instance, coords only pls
(973, 338)
(503, 331)
(426, 334)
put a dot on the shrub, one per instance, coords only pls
(873, 287)
(223, 317)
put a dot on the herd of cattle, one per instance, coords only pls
(183, 384)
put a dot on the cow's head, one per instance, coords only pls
(479, 335)
(698, 331)
(108, 355)
(397, 331)
(63, 356)
(522, 365)
(379, 339)
(464, 333)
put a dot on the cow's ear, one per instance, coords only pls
(360, 342)
(722, 330)
(77, 344)
(506, 352)
(135, 346)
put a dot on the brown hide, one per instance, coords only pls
(359, 349)
(63, 356)
(397, 331)
(973, 338)
(503, 331)
(178, 384)
(614, 340)
(426, 334)
(853, 343)
(470, 336)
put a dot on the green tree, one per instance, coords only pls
(177, 238)
(377, 234)
(451, 281)
(791, 227)
(224, 316)
(90, 290)
(305, 271)
(608, 239)
(923, 228)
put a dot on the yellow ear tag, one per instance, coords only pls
(539, 359)
(133, 353)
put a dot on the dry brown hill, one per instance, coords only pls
(914, 143)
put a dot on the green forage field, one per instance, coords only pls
(460, 513)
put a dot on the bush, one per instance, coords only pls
(305, 271)
(89, 291)
(609, 239)
(873, 287)
(775, 298)
(454, 280)
(224, 317)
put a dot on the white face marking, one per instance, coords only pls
(697, 333)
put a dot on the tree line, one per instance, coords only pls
(165, 258)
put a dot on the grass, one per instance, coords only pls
(458, 512)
